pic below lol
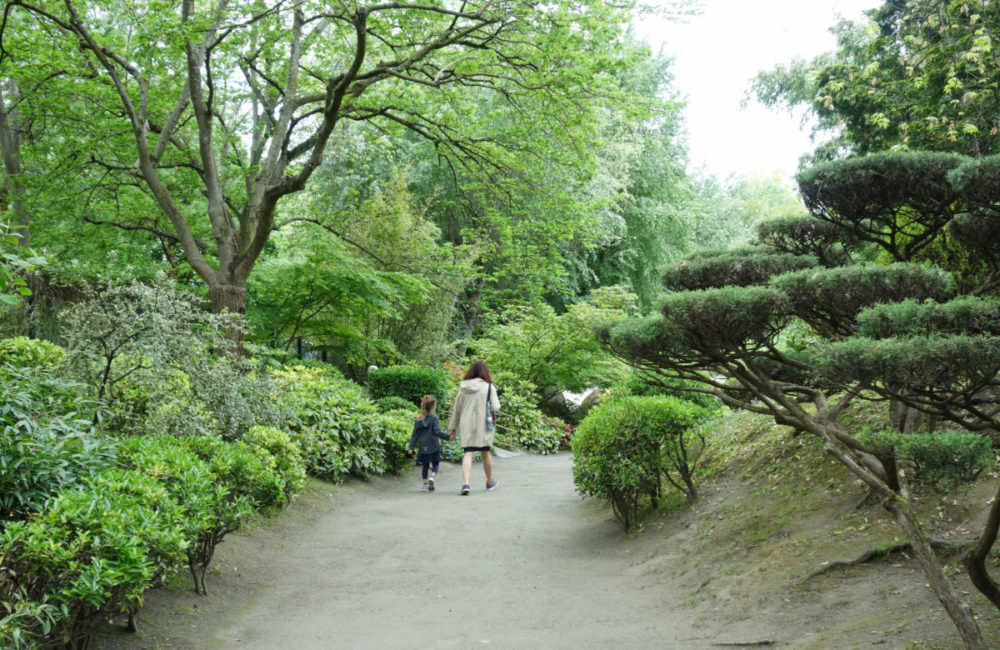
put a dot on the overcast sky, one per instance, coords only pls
(718, 52)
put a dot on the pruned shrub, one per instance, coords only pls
(827, 242)
(398, 426)
(408, 382)
(91, 553)
(944, 460)
(830, 299)
(963, 315)
(898, 201)
(739, 269)
(624, 448)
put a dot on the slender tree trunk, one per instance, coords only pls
(958, 610)
(975, 559)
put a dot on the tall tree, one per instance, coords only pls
(915, 74)
(213, 112)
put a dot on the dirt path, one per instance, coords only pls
(384, 565)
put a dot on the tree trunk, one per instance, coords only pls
(958, 610)
(230, 298)
(975, 559)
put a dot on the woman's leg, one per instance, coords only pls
(466, 467)
(487, 465)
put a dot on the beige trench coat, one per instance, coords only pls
(468, 416)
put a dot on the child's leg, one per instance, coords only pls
(425, 458)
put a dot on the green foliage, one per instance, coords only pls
(398, 426)
(279, 454)
(339, 430)
(726, 319)
(246, 474)
(410, 383)
(829, 300)
(624, 447)
(48, 439)
(92, 552)
(519, 423)
(153, 354)
(962, 315)
(824, 240)
(643, 386)
(14, 264)
(945, 460)
(740, 268)
(938, 369)
(899, 201)
(394, 403)
(912, 74)
(554, 352)
(22, 352)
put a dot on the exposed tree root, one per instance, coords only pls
(746, 644)
(885, 551)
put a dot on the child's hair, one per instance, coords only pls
(428, 404)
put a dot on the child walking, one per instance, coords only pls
(427, 433)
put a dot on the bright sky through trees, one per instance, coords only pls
(718, 51)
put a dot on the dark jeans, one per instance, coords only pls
(432, 461)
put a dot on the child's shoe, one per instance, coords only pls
(426, 488)
(430, 484)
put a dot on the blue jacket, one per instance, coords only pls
(426, 432)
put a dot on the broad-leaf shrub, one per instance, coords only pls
(393, 403)
(48, 439)
(22, 352)
(520, 424)
(211, 509)
(398, 426)
(90, 554)
(339, 430)
(280, 454)
(623, 448)
(408, 382)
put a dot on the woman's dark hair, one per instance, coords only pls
(428, 403)
(481, 370)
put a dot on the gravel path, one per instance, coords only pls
(530, 565)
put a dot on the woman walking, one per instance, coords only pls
(472, 418)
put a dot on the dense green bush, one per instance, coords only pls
(340, 431)
(211, 509)
(408, 382)
(520, 424)
(398, 426)
(624, 448)
(22, 352)
(280, 454)
(245, 473)
(393, 403)
(90, 554)
(48, 439)
(944, 460)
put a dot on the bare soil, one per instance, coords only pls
(381, 564)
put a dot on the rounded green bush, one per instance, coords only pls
(22, 352)
(278, 452)
(92, 552)
(393, 403)
(408, 382)
(623, 448)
